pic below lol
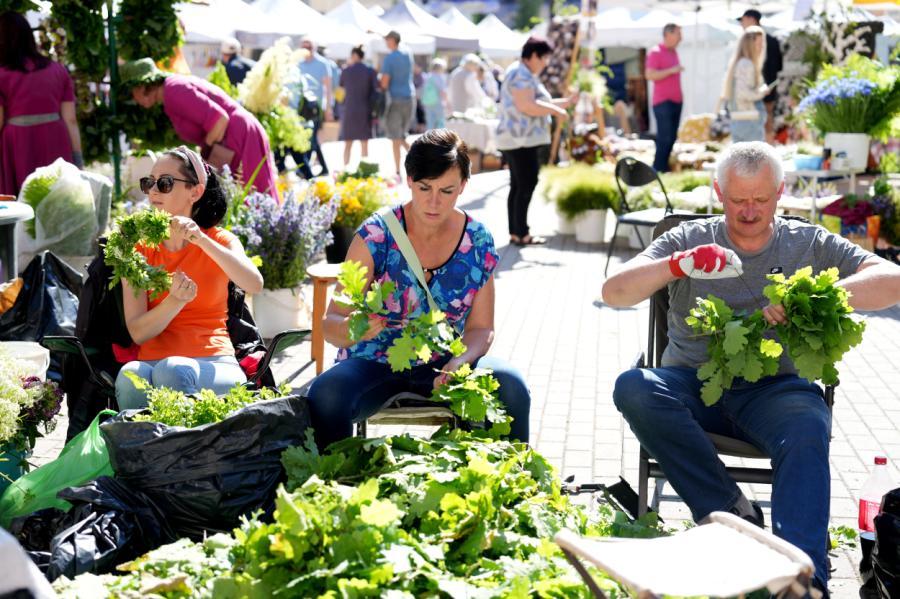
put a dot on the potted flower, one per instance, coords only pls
(357, 197)
(852, 102)
(585, 200)
(283, 238)
(28, 406)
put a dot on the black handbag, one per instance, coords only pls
(720, 127)
(309, 107)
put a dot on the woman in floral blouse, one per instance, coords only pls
(458, 257)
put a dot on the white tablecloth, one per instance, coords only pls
(479, 134)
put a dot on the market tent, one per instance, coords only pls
(460, 22)
(408, 18)
(499, 41)
(308, 22)
(220, 19)
(367, 29)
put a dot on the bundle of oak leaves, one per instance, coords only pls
(819, 331)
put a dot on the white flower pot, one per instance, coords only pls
(277, 310)
(854, 145)
(628, 234)
(590, 226)
(565, 225)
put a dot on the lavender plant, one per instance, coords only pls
(284, 236)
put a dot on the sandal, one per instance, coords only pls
(532, 240)
(515, 240)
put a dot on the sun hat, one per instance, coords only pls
(140, 72)
(230, 46)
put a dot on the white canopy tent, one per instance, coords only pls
(460, 22)
(408, 18)
(220, 19)
(499, 41)
(353, 15)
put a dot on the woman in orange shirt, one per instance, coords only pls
(184, 342)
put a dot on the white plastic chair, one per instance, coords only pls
(728, 557)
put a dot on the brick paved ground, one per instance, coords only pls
(571, 348)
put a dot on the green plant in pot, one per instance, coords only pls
(584, 198)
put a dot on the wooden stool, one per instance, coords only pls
(322, 275)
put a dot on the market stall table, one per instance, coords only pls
(10, 214)
(478, 133)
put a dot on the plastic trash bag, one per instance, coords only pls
(65, 212)
(47, 303)
(83, 459)
(886, 554)
(109, 524)
(205, 478)
(20, 577)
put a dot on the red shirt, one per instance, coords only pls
(668, 88)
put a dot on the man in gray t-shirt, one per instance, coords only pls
(783, 415)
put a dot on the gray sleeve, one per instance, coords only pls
(666, 244)
(834, 250)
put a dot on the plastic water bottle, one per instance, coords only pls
(878, 484)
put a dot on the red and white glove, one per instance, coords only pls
(709, 261)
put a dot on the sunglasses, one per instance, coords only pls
(164, 184)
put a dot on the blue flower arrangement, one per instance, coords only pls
(285, 237)
(861, 96)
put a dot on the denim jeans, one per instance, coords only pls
(356, 388)
(752, 129)
(434, 116)
(668, 115)
(190, 375)
(784, 416)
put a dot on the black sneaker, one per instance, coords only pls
(757, 518)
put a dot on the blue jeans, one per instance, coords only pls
(784, 416)
(356, 388)
(190, 375)
(434, 116)
(750, 130)
(668, 115)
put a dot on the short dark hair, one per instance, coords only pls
(670, 28)
(358, 50)
(209, 210)
(17, 44)
(536, 45)
(394, 36)
(434, 153)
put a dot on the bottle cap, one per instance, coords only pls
(880, 461)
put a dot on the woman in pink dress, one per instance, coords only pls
(204, 115)
(37, 107)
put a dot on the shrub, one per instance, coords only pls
(577, 188)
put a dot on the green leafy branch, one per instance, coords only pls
(819, 331)
(150, 227)
(362, 302)
(472, 395)
(174, 408)
(421, 338)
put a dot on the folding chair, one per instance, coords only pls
(728, 557)
(657, 340)
(634, 173)
(409, 409)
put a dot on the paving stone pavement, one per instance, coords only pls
(570, 347)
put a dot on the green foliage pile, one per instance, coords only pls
(819, 332)
(35, 189)
(472, 395)
(150, 227)
(174, 408)
(421, 337)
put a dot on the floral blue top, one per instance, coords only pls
(453, 285)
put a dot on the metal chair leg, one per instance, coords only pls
(658, 485)
(612, 245)
(643, 482)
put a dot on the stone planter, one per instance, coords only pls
(590, 226)
(336, 251)
(277, 310)
(854, 145)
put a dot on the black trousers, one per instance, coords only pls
(523, 177)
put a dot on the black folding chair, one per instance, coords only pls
(634, 173)
(658, 339)
(405, 409)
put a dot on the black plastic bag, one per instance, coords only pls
(46, 305)
(886, 554)
(205, 478)
(109, 524)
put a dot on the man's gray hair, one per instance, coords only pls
(670, 28)
(745, 159)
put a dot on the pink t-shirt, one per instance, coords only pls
(668, 88)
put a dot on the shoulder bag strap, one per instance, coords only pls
(408, 252)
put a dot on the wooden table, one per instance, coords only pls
(323, 275)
